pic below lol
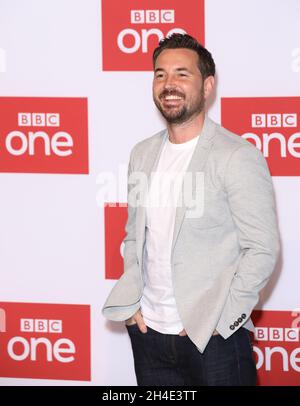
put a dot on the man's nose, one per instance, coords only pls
(170, 82)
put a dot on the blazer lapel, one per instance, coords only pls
(196, 164)
(150, 165)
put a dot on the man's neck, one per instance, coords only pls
(179, 133)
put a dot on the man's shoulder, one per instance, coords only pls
(227, 142)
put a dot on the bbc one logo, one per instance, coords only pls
(43, 346)
(43, 135)
(145, 17)
(58, 351)
(272, 125)
(277, 347)
(131, 29)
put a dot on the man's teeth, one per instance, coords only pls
(172, 97)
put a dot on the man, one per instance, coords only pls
(193, 270)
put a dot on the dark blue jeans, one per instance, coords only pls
(172, 360)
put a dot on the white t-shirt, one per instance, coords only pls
(158, 305)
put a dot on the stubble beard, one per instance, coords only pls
(183, 114)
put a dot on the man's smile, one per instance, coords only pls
(171, 100)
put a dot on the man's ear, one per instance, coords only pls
(209, 83)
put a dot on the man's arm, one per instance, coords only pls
(249, 189)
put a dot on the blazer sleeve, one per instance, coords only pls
(249, 189)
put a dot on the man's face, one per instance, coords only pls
(178, 88)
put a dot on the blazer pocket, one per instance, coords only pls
(214, 214)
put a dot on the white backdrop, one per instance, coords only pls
(52, 229)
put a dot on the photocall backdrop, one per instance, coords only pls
(75, 96)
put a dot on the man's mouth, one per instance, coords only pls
(171, 100)
(172, 97)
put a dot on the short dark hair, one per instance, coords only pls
(206, 63)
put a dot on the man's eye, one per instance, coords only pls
(182, 74)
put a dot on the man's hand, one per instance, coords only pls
(137, 318)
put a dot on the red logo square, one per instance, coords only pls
(131, 29)
(45, 341)
(271, 124)
(277, 347)
(43, 135)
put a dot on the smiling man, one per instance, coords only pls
(192, 277)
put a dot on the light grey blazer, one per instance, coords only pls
(220, 260)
